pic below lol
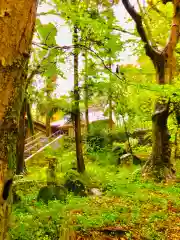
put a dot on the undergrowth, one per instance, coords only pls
(147, 210)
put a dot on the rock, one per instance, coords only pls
(75, 186)
(136, 160)
(60, 192)
(118, 151)
(95, 192)
(52, 193)
(126, 159)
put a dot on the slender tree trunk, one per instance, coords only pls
(86, 97)
(48, 125)
(110, 111)
(77, 119)
(110, 100)
(17, 24)
(48, 118)
(21, 140)
(110, 105)
(127, 135)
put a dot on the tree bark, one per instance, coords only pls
(76, 110)
(159, 164)
(21, 140)
(86, 93)
(177, 134)
(17, 24)
(164, 61)
(176, 141)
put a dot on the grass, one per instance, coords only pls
(142, 209)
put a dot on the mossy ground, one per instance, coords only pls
(130, 208)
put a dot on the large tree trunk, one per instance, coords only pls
(159, 164)
(164, 62)
(16, 23)
(76, 110)
(21, 140)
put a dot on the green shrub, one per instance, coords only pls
(36, 221)
(100, 137)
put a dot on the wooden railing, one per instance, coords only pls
(39, 144)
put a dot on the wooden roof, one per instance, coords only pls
(41, 126)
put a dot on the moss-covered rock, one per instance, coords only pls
(74, 183)
(76, 186)
(118, 151)
(51, 192)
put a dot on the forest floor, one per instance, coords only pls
(129, 208)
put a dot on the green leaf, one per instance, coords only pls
(47, 33)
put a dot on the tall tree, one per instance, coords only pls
(17, 24)
(46, 34)
(48, 118)
(25, 111)
(76, 110)
(21, 139)
(86, 92)
(163, 60)
(110, 99)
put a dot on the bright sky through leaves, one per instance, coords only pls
(64, 37)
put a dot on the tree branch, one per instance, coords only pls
(52, 12)
(99, 57)
(36, 69)
(150, 51)
(175, 29)
(123, 31)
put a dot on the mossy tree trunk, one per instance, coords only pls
(76, 110)
(177, 134)
(17, 24)
(159, 164)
